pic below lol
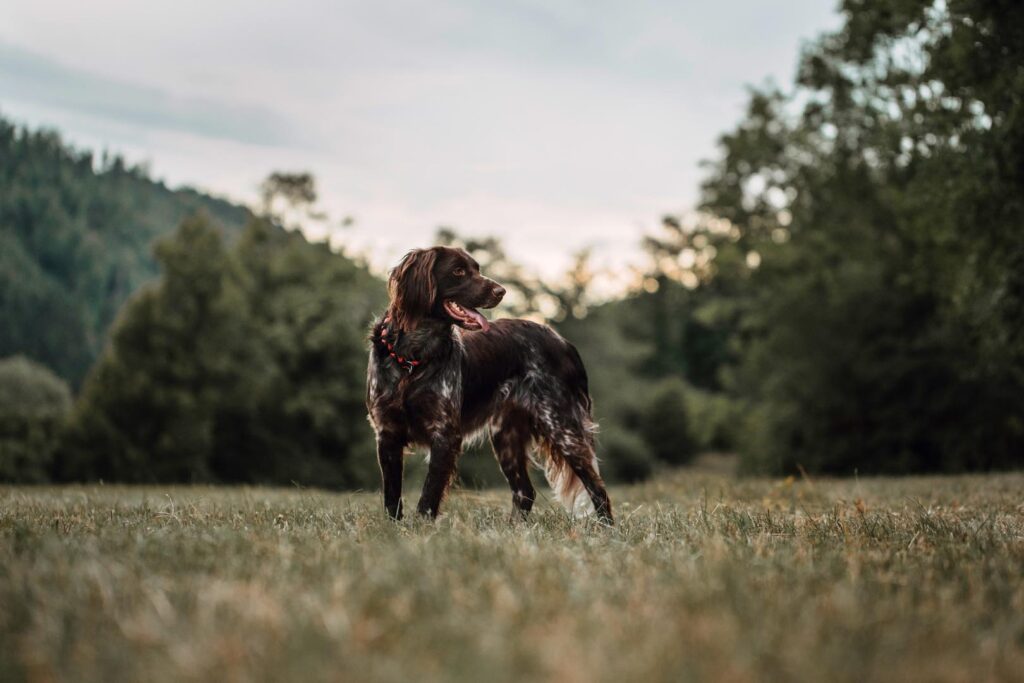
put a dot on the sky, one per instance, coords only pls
(555, 125)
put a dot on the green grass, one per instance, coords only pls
(705, 578)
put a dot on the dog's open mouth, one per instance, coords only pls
(466, 317)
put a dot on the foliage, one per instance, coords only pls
(34, 404)
(714, 419)
(75, 237)
(664, 424)
(239, 365)
(863, 241)
(704, 578)
(624, 455)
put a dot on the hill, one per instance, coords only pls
(76, 236)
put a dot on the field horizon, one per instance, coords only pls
(705, 577)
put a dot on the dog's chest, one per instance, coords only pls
(420, 402)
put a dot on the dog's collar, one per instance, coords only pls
(384, 338)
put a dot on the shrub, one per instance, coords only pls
(663, 424)
(714, 418)
(34, 404)
(624, 456)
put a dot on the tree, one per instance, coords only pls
(311, 308)
(296, 191)
(183, 356)
(239, 365)
(879, 325)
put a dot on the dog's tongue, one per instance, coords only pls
(482, 321)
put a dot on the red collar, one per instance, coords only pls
(407, 364)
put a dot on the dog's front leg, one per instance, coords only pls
(444, 453)
(389, 455)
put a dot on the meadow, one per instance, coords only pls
(705, 577)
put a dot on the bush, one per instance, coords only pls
(715, 420)
(34, 404)
(663, 425)
(624, 456)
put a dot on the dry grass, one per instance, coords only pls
(705, 578)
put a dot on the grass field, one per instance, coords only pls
(705, 578)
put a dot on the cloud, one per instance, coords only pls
(28, 77)
(555, 124)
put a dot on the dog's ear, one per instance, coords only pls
(412, 289)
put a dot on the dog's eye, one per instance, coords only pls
(459, 272)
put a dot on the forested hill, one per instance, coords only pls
(76, 236)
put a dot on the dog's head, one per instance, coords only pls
(442, 283)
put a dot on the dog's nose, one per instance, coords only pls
(499, 292)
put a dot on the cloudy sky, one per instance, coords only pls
(554, 124)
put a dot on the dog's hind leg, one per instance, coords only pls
(510, 438)
(573, 474)
(583, 463)
(571, 467)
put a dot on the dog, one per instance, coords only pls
(440, 373)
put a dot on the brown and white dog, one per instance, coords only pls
(439, 372)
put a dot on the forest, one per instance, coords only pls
(847, 298)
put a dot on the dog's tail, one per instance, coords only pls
(568, 488)
(565, 435)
